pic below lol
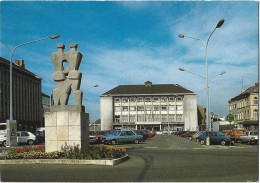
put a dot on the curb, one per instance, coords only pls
(65, 161)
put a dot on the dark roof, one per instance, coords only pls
(247, 92)
(148, 89)
(7, 62)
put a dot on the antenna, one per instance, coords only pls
(242, 82)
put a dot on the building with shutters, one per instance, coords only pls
(27, 96)
(149, 106)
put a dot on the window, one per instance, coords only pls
(132, 99)
(179, 107)
(116, 100)
(129, 133)
(171, 99)
(179, 98)
(164, 107)
(132, 108)
(148, 99)
(164, 117)
(117, 108)
(124, 108)
(156, 108)
(124, 118)
(148, 108)
(132, 118)
(140, 99)
(117, 118)
(23, 134)
(125, 100)
(163, 99)
(140, 108)
(255, 114)
(179, 117)
(148, 117)
(255, 100)
(156, 117)
(172, 108)
(140, 118)
(156, 99)
(171, 117)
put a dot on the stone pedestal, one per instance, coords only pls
(67, 125)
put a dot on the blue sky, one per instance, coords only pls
(132, 42)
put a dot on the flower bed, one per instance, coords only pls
(97, 152)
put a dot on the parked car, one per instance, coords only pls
(236, 133)
(3, 139)
(195, 135)
(96, 134)
(143, 133)
(215, 138)
(123, 136)
(251, 136)
(149, 133)
(24, 137)
(159, 132)
(179, 133)
(40, 136)
(92, 139)
(186, 134)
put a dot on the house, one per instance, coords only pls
(244, 108)
(149, 106)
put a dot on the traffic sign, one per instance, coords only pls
(230, 117)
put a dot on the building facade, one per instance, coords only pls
(27, 97)
(245, 106)
(149, 106)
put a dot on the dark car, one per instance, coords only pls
(143, 133)
(40, 136)
(179, 133)
(215, 138)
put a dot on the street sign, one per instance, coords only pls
(230, 117)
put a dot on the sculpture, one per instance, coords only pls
(69, 78)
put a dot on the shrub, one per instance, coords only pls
(68, 152)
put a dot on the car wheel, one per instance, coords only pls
(202, 142)
(113, 142)
(136, 141)
(223, 142)
(190, 138)
(4, 143)
(30, 142)
(249, 142)
(197, 140)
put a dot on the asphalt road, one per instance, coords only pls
(160, 159)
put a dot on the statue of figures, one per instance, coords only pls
(69, 78)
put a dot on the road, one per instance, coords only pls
(159, 159)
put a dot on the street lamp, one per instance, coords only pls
(11, 80)
(220, 74)
(87, 99)
(220, 23)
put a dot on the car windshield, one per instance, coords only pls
(253, 133)
(240, 131)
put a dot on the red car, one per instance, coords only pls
(149, 133)
(96, 134)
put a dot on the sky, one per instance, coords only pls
(132, 42)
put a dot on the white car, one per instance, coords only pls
(3, 139)
(92, 139)
(24, 137)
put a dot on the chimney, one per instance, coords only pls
(148, 84)
(20, 63)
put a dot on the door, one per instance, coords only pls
(130, 136)
(23, 137)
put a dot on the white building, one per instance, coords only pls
(149, 106)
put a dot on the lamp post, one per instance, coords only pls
(220, 23)
(220, 74)
(11, 121)
(87, 99)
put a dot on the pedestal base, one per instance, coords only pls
(66, 127)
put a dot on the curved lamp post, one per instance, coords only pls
(87, 99)
(220, 23)
(220, 74)
(11, 72)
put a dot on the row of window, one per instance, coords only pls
(149, 118)
(245, 115)
(243, 103)
(148, 99)
(150, 108)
